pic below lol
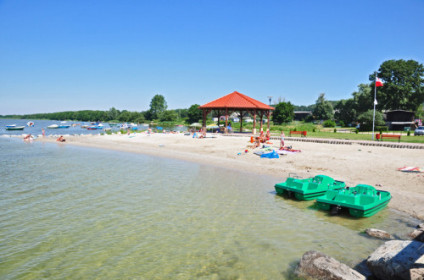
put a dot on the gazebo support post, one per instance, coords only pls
(269, 117)
(204, 120)
(226, 120)
(254, 122)
(241, 121)
(262, 123)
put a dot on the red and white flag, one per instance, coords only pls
(378, 83)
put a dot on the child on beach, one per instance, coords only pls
(282, 139)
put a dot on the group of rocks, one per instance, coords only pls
(395, 259)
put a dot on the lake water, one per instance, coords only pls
(69, 212)
(39, 124)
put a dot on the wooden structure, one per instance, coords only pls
(399, 119)
(237, 102)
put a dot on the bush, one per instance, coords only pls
(382, 128)
(408, 133)
(341, 123)
(356, 130)
(329, 123)
(314, 129)
(335, 130)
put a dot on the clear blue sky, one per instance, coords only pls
(78, 55)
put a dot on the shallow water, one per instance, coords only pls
(71, 212)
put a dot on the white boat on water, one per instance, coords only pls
(11, 125)
(14, 127)
(53, 126)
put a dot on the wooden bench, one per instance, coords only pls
(302, 133)
(392, 136)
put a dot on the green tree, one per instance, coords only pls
(283, 113)
(194, 114)
(323, 109)
(168, 116)
(403, 85)
(365, 120)
(157, 106)
(112, 113)
(349, 109)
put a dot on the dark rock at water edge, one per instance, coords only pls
(377, 233)
(398, 259)
(317, 265)
(417, 235)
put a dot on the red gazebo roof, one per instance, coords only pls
(236, 100)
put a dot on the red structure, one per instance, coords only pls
(237, 102)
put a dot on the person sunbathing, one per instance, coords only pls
(61, 139)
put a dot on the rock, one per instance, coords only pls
(417, 235)
(398, 259)
(420, 226)
(377, 233)
(316, 265)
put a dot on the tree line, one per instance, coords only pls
(403, 89)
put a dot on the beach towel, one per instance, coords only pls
(410, 169)
(290, 150)
(272, 154)
(263, 151)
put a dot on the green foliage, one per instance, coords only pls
(323, 109)
(408, 133)
(329, 123)
(381, 128)
(113, 113)
(283, 113)
(356, 130)
(342, 124)
(403, 85)
(157, 107)
(349, 109)
(168, 116)
(335, 130)
(194, 114)
(366, 120)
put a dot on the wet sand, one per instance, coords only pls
(354, 164)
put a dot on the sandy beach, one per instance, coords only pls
(354, 164)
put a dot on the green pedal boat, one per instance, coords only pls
(308, 189)
(362, 200)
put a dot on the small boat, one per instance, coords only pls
(362, 200)
(15, 127)
(308, 189)
(53, 126)
(94, 127)
(64, 126)
(30, 124)
(11, 125)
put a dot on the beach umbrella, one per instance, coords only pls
(196, 125)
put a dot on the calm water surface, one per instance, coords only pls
(77, 213)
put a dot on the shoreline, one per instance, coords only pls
(354, 164)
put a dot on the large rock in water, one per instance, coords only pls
(398, 259)
(316, 265)
(378, 233)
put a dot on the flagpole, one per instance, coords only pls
(375, 98)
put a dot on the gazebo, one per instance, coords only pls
(237, 102)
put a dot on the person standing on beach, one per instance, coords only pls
(282, 139)
(43, 132)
